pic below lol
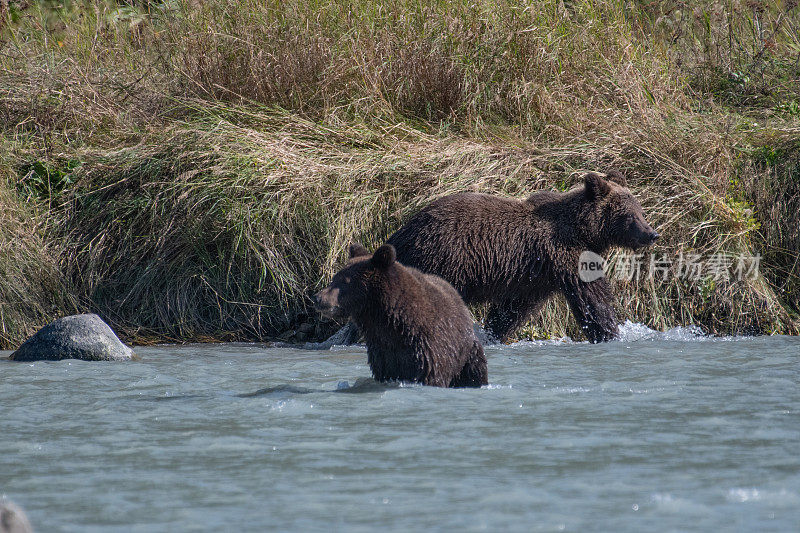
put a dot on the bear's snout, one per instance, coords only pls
(646, 239)
(643, 236)
(326, 302)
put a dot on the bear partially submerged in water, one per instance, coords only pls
(415, 325)
(515, 254)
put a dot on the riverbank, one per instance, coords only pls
(195, 172)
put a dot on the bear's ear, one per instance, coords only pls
(596, 186)
(357, 250)
(616, 177)
(384, 256)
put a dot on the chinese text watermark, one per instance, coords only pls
(686, 266)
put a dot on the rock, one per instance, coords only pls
(286, 335)
(306, 328)
(346, 336)
(84, 337)
(12, 519)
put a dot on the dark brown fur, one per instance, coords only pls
(415, 325)
(514, 254)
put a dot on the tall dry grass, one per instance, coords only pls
(33, 290)
(197, 168)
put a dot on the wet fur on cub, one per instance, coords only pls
(415, 325)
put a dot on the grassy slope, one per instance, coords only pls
(196, 171)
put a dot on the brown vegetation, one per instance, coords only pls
(195, 170)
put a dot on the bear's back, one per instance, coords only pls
(456, 237)
(420, 301)
(443, 296)
(448, 209)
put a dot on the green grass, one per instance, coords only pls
(194, 171)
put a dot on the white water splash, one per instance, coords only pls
(775, 498)
(633, 331)
(742, 495)
(628, 332)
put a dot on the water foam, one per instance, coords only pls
(634, 331)
(628, 332)
(779, 498)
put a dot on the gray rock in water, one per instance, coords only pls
(12, 519)
(346, 336)
(84, 337)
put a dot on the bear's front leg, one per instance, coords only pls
(592, 306)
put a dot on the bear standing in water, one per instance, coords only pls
(514, 254)
(415, 325)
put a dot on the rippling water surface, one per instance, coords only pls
(662, 432)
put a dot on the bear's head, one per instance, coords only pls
(614, 217)
(351, 288)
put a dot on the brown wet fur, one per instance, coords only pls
(416, 327)
(515, 254)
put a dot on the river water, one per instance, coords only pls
(656, 432)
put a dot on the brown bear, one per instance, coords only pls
(415, 325)
(515, 254)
